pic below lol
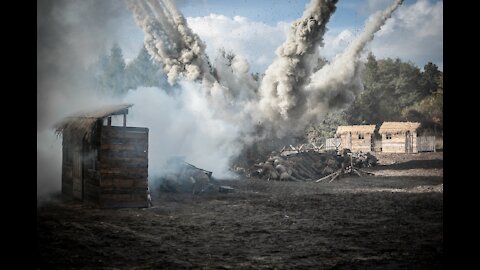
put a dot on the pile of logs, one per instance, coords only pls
(363, 160)
(351, 164)
(312, 166)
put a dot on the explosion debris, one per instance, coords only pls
(182, 176)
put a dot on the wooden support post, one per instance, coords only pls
(356, 172)
(109, 123)
(334, 177)
(124, 120)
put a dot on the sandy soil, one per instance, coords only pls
(393, 220)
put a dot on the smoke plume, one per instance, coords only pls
(217, 108)
(170, 41)
(337, 83)
(183, 125)
(70, 35)
(293, 92)
(281, 91)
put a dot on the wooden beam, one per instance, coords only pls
(124, 120)
(330, 175)
(120, 112)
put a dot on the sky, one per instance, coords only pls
(255, 28)
(72, 34)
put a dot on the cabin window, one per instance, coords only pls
(360, 136)
(388, 136)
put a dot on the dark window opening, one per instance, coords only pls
(388, 136)
(360, 136)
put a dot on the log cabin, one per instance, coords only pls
(104, 163)
(399, 137)
(357, 138)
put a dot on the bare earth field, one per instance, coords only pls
(393, 220)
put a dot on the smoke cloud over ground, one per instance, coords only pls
(217, 107)
(337, 83)
(183, 125)
(70, 36)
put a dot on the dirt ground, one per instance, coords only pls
(393, 220)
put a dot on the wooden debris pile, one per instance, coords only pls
(181, 176)
(363, 160)
(311, 166)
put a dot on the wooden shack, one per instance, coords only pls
(399, 137)
(103, 163)
(356, 138)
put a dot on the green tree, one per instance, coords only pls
(115, 71)
(390, 85)
(429, 78)
(370, 73)
(143, 71)
(428, 110)
(97, 72)
(317, 133)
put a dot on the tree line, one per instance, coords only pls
(113, 77)
(394, 90)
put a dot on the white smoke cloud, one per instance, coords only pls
(70, 36)
(371, 6)
(281, 88)
(170, 41)
(217, 107)
(49, 162)
(184, 125)
(337, 83)
(336, 41)
(242, 36)
(281, 102)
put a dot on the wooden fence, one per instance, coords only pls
(332, 143)
(426, 144)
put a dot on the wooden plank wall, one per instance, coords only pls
(67, 165)
(91, 189)
(394, 145)
(426, 143)
(123, 166)
(363, 145)
(67, 179)
(356, 144)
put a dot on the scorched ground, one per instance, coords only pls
(393, 220)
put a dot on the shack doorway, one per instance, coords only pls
(408, 142)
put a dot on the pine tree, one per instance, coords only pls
(115, 71)
(142, 71)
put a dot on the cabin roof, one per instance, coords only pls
(398, 126)
(356, 129)
(82, 123)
